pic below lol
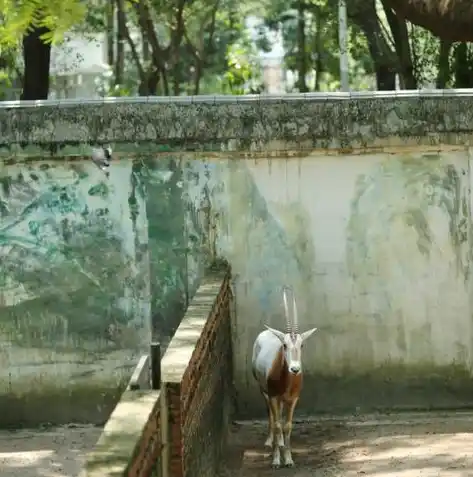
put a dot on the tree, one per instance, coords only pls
(39, 23)
(36, 58)
(310, 36)
(154, 47)
(411, 51)
(197, 47)
(11, 74)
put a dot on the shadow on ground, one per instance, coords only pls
(385, 446)
(58, 452)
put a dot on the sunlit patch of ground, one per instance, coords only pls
(58, 452)
(404, 445)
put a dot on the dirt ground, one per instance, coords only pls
(403, 445)
(57, 452)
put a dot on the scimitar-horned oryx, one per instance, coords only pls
(277, 366)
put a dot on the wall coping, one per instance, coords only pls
(141, 377)
(227, 98)
(121, 437)
(183, 344)
(248, 124)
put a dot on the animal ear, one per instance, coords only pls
(277, 333)
(306, 334)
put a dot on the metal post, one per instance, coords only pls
(343, 45)
(155, 358)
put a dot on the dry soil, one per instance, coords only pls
(57, 452)
(403, 445)
(377, 446)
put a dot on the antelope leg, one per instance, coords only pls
(275, 409)
(288, 462)
(269, 440)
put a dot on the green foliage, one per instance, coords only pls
(243, 75)
(424, 47)
(57, 16)
(321, 50)
(10, 72)
(203, 46)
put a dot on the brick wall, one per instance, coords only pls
(183, 426)
(146, 461)
(197, 380)
(130, 444)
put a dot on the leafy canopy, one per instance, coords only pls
(57, 16)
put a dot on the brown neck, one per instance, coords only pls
(280, 380)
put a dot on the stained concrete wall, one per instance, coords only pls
(361, 202)
(91, 268)
(377, 249)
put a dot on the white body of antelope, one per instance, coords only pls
(277, 366)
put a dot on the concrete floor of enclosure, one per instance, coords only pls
(57, 452)
(402, 445)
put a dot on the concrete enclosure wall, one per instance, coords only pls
(361, 202)
(377, 248)
(91, 267)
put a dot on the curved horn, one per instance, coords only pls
(286, 310)
(275, 332)
(295, 324)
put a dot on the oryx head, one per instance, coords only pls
(292, 339)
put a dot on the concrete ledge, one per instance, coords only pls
(123, 438)
(184, 342)
(141, 377)
(246, 123)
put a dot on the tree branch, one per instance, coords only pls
(450, 20)
(134, 53)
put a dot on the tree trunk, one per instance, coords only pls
(400, 35)
(177, 35)
(142, 71)
(301, 49)
(363, 13)
(121, 38)
(463, 67)
(318, 50)
(385, 78)
(443, 75)
(36, 56)
(110, 23)
(149, 85)
(145, 46)
(157, 75)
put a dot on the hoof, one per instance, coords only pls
(288, 462)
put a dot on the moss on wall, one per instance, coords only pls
(85, 260)
(321, 120)
(390, 387)
(89, 403)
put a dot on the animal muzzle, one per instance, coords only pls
(295, 368)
